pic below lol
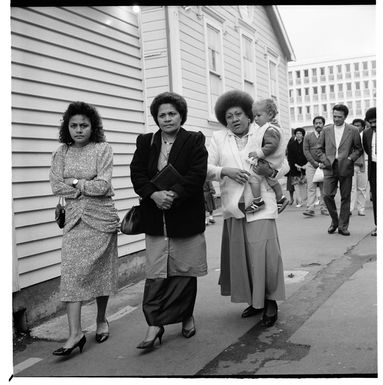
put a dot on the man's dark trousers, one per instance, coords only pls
(330, 185)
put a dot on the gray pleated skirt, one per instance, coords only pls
(251, 263)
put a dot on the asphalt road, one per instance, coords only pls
(327, 277)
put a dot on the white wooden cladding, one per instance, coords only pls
(60, 55)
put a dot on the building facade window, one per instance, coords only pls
(215, 63)
(248, 64)
(273, 77)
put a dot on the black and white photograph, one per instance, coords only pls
(190, 191)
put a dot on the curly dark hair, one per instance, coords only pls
(321, 118)
(370, 114)
(233, 98)
(81, 108)
(172, 98)
(341, 107)
(301, 130)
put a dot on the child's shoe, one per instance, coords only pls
(282, 204)
(211, 219)
(256, 205)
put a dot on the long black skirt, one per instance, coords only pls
(169, 300)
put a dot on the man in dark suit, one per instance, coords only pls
(339, 146)
(369, 144)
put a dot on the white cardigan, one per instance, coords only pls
(223, 152)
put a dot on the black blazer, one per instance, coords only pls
(296, 155)
(367, 145)
(189, 156)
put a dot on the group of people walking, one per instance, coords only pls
(336, 149)
(246, 160)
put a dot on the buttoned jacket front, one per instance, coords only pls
(349, 150)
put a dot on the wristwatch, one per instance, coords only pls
(74, 183)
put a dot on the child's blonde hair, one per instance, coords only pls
(268, 105)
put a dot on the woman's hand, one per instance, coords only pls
(163, 199)
(238, 175)
(69, 181)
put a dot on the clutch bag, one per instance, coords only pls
(167, 177)
(60, 213)
(133, 221)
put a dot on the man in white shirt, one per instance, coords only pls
(310, 142)
(359, 180)
(339, 146)
(370, 144)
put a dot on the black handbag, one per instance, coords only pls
(133, 221)
(60, 213)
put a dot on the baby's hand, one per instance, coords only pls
(253, 155)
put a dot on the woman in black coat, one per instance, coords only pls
(297, 162)
(174, 218)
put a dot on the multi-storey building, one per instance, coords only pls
(316, 86)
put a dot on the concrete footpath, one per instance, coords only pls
(327, 325)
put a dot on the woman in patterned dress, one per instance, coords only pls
(174, 219)
(81, 172)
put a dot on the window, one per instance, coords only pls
(315, 90)
(306, 73)
(290, 77)
(365, 84)
(215, 70)
(330, 70)
(300, 110)
(248, 63)
(314, 72)
(348, 67)
(339, 68)
(307, 91)
(324, 108)
(356, 66)
(307, 109)
(273, 78)
(298, 74)
(299, 92)
(322, 71)
(374, 84)
(292, 112)
(373, 64)
(316, 110)
(340, 87)
(357, 85)
(348, 85)
(365, 65)
(331, 87)
(323, 89)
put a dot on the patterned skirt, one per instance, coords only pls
(88, 263)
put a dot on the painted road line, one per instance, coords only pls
(25, 364)
(115, 316)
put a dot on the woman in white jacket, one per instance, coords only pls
(251, 263)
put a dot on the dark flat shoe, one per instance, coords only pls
(269, 320)
(102, 337)
(332, 229)
(66, 351)
(343, 232)
(250, 311)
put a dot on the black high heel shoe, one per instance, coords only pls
(102, 337)
(66, 351)
(150, 344)
(269, 320)
(187, 333)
